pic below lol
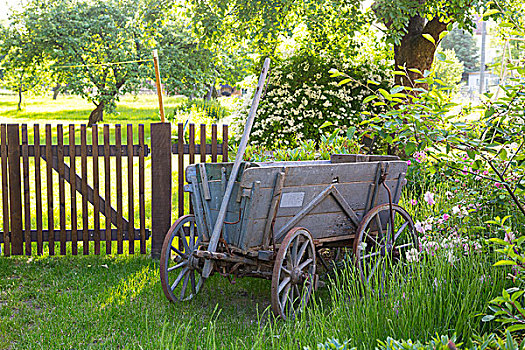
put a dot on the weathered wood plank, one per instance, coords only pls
(180, 158)
(5, 190)
(49, 177)
(84, 189)
(80, 235)
(224, 147)
(27, 190)
(15, 188)
(61, 188)
(96, 204)
(214, 143)
(118, 168)
(38, 192)
(73, 190)
(107, 188)
(131, 205)
(142, 194)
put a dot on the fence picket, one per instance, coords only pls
(131, 206)
(225, 143)
(118, 143)
(38, 192)
(180, 157)
(61, 188)
(49, 171)
(107, 188)
(83, 163)
(142, 190)
(214, 143)
(27, 206)
(5, 190)
(96, 202)
(192, 153)
(73, 190)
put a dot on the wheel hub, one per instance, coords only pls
(297, 275)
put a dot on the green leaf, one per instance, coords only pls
(505, 263)
(344, 81)
(487, 318)
(369, 98)
(443, 34)
(326, 124)
(410, 147)
(516, 327)
(490, 13)
(373, 82)
(429, 38)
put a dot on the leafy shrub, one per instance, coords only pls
(211, 109)
(301, 95)
(336, 142)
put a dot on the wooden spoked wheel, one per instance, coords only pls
(180, 271)
(293, 273)
(378, 243)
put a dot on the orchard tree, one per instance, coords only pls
(23, 68)
(86, 40)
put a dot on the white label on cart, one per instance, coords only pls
(292, 200)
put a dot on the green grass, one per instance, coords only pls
(109, 302)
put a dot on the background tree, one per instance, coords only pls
(464, 46)
(23, 67)
(85, 39)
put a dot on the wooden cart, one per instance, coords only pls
(280, 215)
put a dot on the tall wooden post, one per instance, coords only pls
(159, 86)
(15, 189)
(160, 185)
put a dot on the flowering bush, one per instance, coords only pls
(301, 96)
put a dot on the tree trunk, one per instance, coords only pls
(97, 114)
(415, 51)
(20, 98)
(56, 90)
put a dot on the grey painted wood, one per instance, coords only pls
(336, 212)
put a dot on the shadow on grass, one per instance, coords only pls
(108, 302)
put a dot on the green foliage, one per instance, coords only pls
(397, 14)
(211, 109)
(335, 142)
(508, 308)
(465, 47)
(83, 39)
(448, 69)
(23, 68)
(301, 96)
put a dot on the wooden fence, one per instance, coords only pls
(23, 220)
(29, 185)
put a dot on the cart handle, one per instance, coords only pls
(214, 239)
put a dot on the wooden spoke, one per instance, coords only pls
(301, 252)
(401, 229)
(181, 270)
(294, 267)
(283, 284)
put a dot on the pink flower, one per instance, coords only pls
(429, 198)
(485, 173)
(413, 201)
(409, 162)
(498, 185)
(446, 217)
(464, 172)
(419, 227)
(509, 237)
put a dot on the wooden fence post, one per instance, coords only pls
(15, 188)
(160, 185)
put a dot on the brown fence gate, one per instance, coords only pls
(93, 192)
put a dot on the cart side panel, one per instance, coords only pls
(354, 181)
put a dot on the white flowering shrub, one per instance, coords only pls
(301, 96)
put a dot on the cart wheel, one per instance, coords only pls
(178, 266)
(374, 246)
(293, 273)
